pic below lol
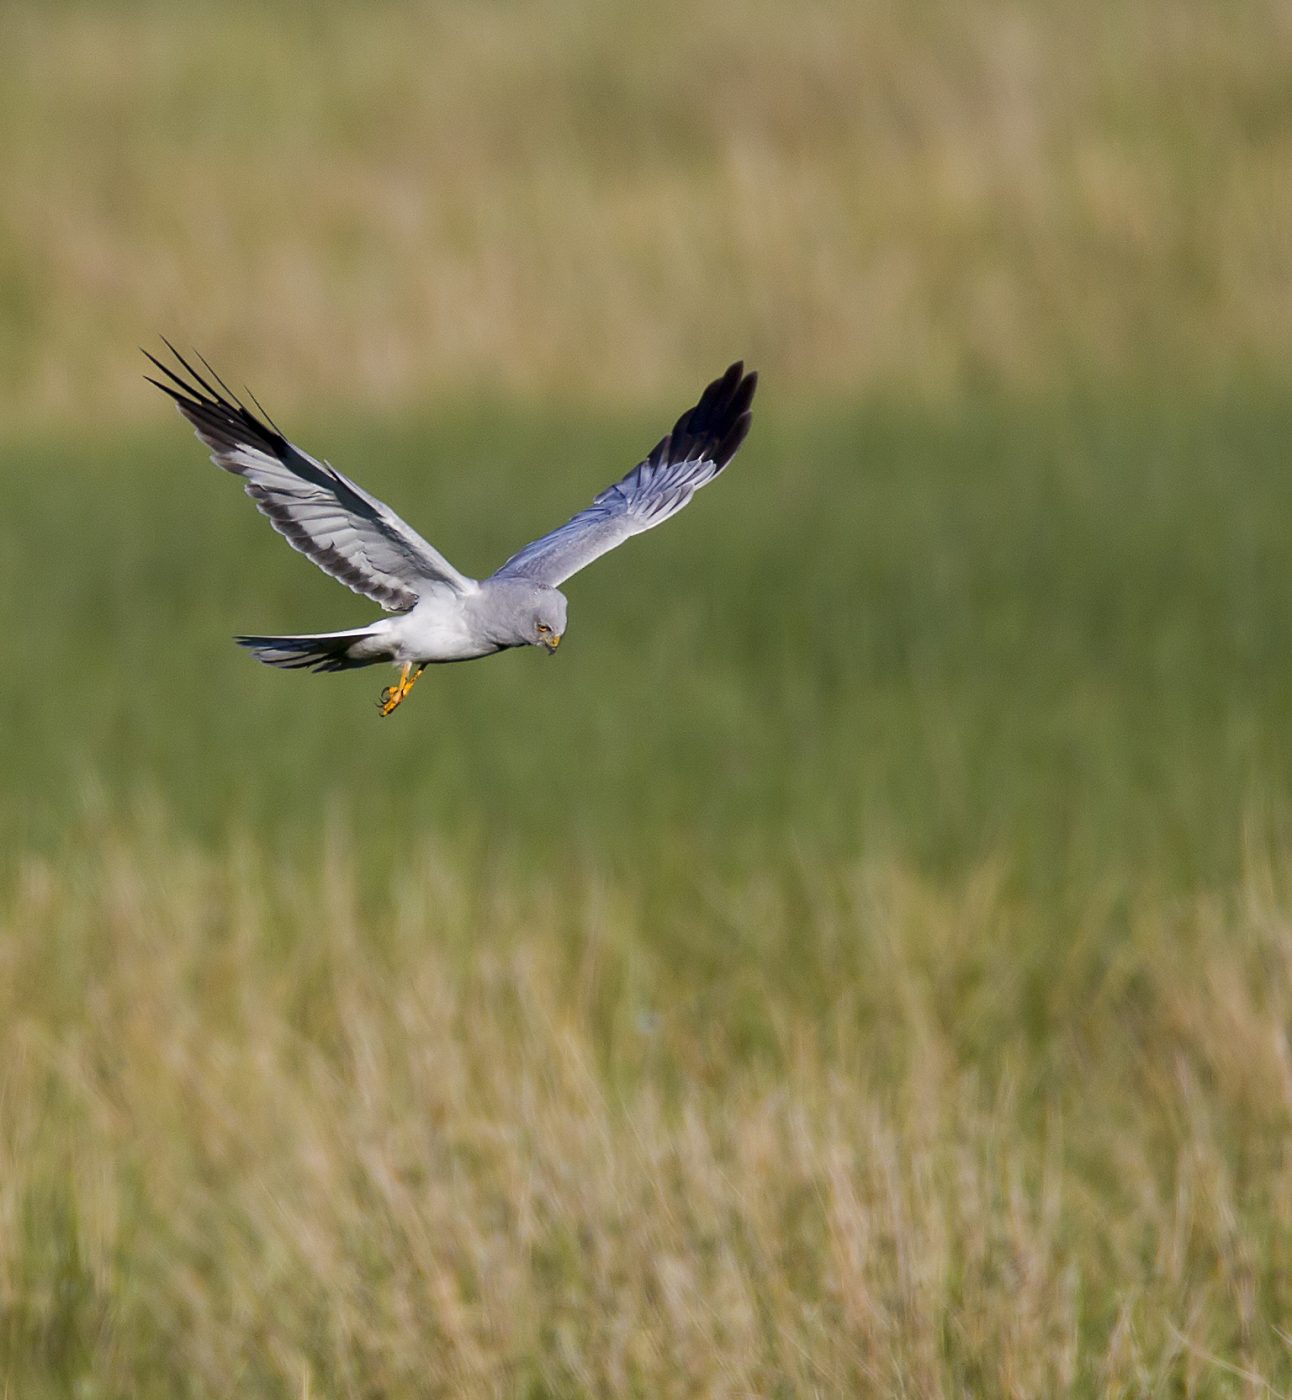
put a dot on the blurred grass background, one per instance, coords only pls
(860, 962)
(391, 201)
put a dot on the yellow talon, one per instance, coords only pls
(393, 695)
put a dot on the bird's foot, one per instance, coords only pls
(393, 695)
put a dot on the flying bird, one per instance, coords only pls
(440, 614)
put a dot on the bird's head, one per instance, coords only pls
(547, 621)
(517, 612)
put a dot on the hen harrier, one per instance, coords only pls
(440, 614)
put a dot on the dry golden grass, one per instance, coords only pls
(389, 202)
(486, 1139)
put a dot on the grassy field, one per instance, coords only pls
(858, 962)
(861, 961)
(823, 1130)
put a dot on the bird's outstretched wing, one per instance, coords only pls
(331, 520)
(703, 441)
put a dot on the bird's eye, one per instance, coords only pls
(543, 627)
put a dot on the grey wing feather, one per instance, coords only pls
(327, 517)
(704, 439)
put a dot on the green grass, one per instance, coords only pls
(1054, 629)
(858, 960)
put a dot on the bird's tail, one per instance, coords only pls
(322, 651)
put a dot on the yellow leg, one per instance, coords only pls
(393, 695)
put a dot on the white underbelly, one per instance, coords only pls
(436, 630)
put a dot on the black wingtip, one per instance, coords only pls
(203, 403)
(719, 422)
(212, 392)
(732, 439)
(165, 388)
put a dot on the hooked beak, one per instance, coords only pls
(551, 642)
